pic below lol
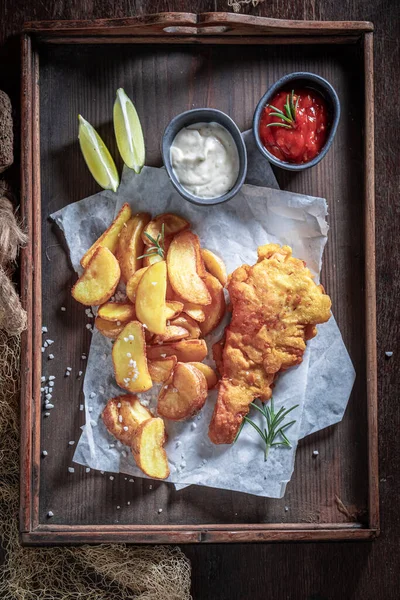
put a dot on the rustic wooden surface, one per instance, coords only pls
(351, 570)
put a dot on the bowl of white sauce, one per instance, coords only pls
(205, 156)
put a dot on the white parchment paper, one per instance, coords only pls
(321, 385)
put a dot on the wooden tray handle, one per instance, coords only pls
(190, 24)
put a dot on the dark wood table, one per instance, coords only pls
(324, 570)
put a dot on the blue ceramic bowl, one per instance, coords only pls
(302, 80)
(204, 115)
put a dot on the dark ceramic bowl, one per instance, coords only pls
(204, 115)
(303, 80)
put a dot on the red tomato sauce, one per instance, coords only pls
(305, 136)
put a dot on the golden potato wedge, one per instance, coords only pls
(148, 451)
(109, 239)
(185, 351)
(216, 310)
(122, 416)
(173, 309)
(117, 311)
(208, 372)
(185, 395)
(130, 245)
(110, 329)
(187, 323)
(194, 311)
(133, 282)
(150, 260)
(99, 280)
(172, 225)
(129, 359)
(215, 265)
(150, 301)
(186, 268)
(161, 370)
(173, 333)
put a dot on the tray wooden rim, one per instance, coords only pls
(153, 27)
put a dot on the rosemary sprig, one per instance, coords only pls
(289, 116)
(274, 426)
(158, 246)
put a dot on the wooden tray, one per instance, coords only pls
(169, 63)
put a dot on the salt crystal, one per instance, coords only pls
(183, 464)
(159, 510)
(63, 309)
(81, 407)
(46, 414)
(51, 378)
(128, 354)
(120, 418)
(87, 470)
(43, 378)
(163, 355)
(50, 514)
(131, 481)
(51, 356)
(48, 396)
(119, 405)
(80, 373)
(126, 339)
(71, 470)
(131, 362)
(131, 337)
(50, 342)
(315, 453)
(125, 428)
(83, 357)
(128, 503)
(286, 508)
(118, 323)
(42, 349)
(90, 409)
(154, 283)
(51, 384)
(71, 442)
(101, 389)
(69, 369)
(111, 446)
(118, 507)
(124, 454)
(44, 452)
(42, 389)
(193, 426)
(92, 395)
(389, 354)
(102, 472)
(150, 487)
(88, 326)
(44, 329)
(45, 344)
(111, 478)
(49, 406)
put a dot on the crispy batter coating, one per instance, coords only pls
(276, 305)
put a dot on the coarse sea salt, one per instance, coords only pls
(51, 378)
(71, 470)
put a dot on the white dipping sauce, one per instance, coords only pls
(205, 159)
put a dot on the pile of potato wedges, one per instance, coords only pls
(174, 298)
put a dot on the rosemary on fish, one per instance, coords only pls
(274, 426)
(289, 115)
(158, 246)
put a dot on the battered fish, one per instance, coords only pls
(276, 305)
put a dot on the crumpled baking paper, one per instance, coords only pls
(320, 386)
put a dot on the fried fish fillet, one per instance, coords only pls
(276, 305)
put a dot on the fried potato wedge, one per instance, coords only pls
(148, 451)
(161, 370)
(208, 372)
(194, 311)
(109, 329)
(99, 280)
(186, 268)
(153, 258)
(173, 224)
(150, 301)
(214, 265)
(216, 310)
(133, 282)
(185, 395)
(218, 350)
(122, 416)
(189, 324)
(173, 333)
(129, 359)
(117, 311)
(130, 245)
(109, 239)
(173, 309)
(185, 351)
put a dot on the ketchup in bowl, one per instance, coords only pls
(294, 126)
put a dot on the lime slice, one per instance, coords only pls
(97, 156)
(128, 132)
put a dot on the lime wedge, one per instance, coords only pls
(128, 132)
(97, 156)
